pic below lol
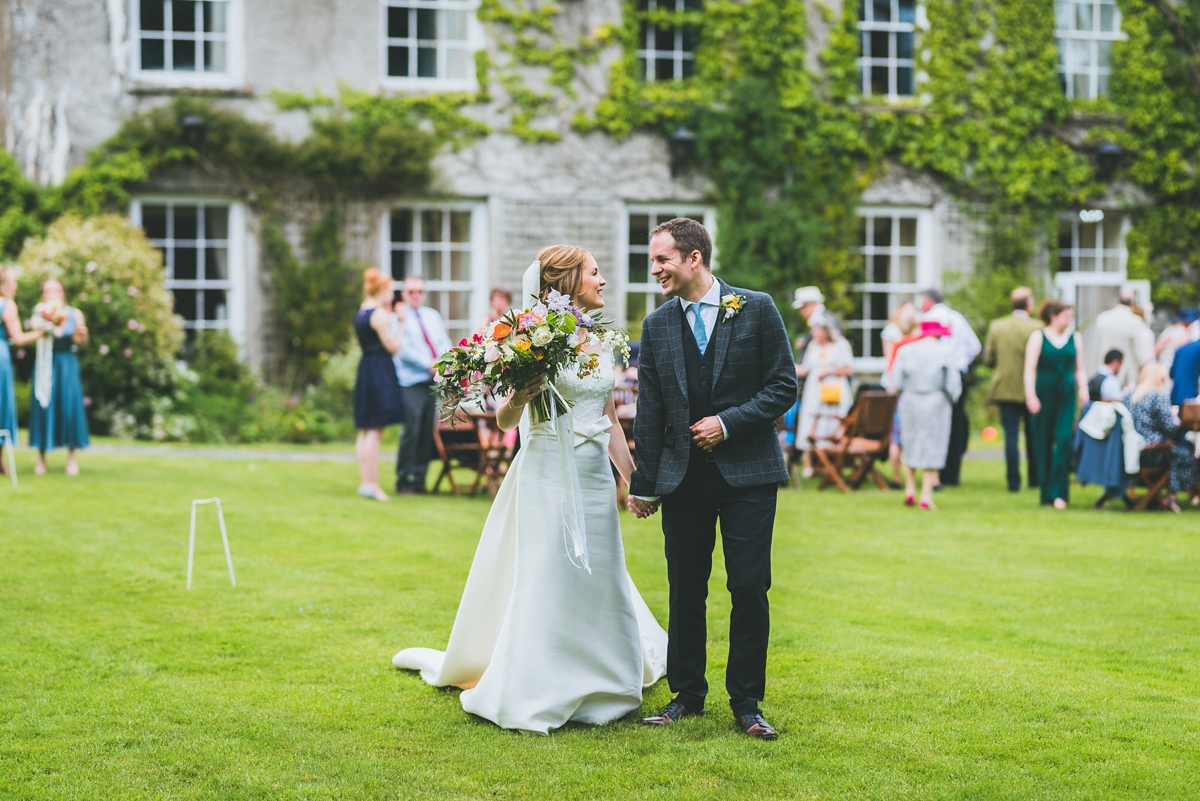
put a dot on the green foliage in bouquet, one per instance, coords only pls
(114, 275)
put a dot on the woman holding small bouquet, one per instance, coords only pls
(10, 332)
(550, 628)
(57, 417)
(377, 402)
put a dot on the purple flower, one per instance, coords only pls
(20, 353)
(558, 302)
(87, 401)
(104, 350)
(90, 267)
(133, 291)
(586, 321)
(133, 324)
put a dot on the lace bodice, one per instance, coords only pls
(589, 394)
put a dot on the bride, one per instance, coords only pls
(542, 637)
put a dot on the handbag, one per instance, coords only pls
(831, 393)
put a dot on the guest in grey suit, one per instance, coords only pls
(929, 383)
(715, 371)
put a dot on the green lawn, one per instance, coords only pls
(989, 650)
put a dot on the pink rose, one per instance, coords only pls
(133, 324)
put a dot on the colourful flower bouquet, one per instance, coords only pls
(543, 340)
(49, 316)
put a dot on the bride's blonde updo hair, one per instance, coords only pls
(562, 269)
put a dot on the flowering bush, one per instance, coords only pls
(543, 340)
(114, 275)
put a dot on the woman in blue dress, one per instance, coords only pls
(57, 417)
(376, 388)
(10, 332)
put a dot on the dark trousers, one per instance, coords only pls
(960, 429)
(747, 517)
(416, 438)
(1012, 414)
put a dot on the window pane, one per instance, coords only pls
(904, 45)
(1087, 236)
(456, 25)
(1081, 86)
(908, 232)
(1062, 16)
(153, 54)
(215, 17)
(1083, 16)
(183, 55)
(397, 23)
(664, 69)
(458, 63)
(691, 38)
(1080, 54)
(908, 10)
(879, 80)
(216, 222)
(1112, 263)
(1064, 263)
(1065, 234)
(639, 229)
(693, 5)
(1088, 263)
(664, 39)
(1101, 85)
(154, 221)
(186, 259)
(641, 69)
(426, 62)
(881, 10)
(214, 56)
(639, 268)
(908, 270)
(883, 232)
(1108, 18)
(397, 62)
(879, 44)
(186, 222)
(215, 305)
(862, 232)
(460, 265)
(216, 264)
(904, 81)
(401, 264)
(402, 226)
(431, 265)
(1104, 54)
(183, 16)
(460, 226)
(431, 226)
(1112, 231)
(460, 305)
(880, 268)
(185, 303)
(433, 299)
(688, 68)
(152, 15)
(426, 23)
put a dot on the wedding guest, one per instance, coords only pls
(500, 302)
(377, 403)
(1119, 328)
(964, 345)
(57, 417)
(907, 322)
(828, 365)
(810, 302)
(1154, 420)
(425, 340)
(1004, 352)
(1185, 373)
(1175, 336)
(1105, 385)
(1054, 379)
(10, 332)
(929, 382)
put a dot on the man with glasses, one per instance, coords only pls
(425, 339)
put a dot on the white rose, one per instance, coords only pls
(542, 335)
(492, 354)
(584, 358)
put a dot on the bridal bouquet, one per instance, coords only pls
(49, 315)
(543, 340)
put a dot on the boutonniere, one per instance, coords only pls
(731, 304)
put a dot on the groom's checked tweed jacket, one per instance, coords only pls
(754, 382)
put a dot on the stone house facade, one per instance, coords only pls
(71, 70)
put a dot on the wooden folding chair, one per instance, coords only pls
(458, 440)
(1154, 482)
(863, 439)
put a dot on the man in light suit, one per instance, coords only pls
(714, 373)
(1004, 352)
(1119, 328)
(425, 340)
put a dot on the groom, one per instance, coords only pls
(715, 371)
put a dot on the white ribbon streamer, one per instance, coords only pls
(574, 531)
(43, 369)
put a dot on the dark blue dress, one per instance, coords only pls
(376, 389)
(63, 422)
(8, 397)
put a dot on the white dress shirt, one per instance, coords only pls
(964, 345)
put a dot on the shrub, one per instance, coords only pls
(114, 275)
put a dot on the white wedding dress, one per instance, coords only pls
(538, 641)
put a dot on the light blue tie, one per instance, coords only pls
(698, 329)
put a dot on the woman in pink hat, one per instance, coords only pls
(929, 384)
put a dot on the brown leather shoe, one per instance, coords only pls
(671, 713)
(756, 725)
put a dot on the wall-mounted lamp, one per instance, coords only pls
(194, 130)
(682, 145)
(1108, 158)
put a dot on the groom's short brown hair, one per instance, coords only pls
(689, 236)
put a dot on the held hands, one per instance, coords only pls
(707, 433)
(525, 394)
(642, 509)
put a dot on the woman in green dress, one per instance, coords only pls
(10, 334)
(57, 417)
(1054, 381)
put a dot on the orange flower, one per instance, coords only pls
(501, 331)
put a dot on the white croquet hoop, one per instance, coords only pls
(7, 438)
(224, 539)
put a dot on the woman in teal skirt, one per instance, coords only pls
(1054, 382)
(10, 332)
(57, 417)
